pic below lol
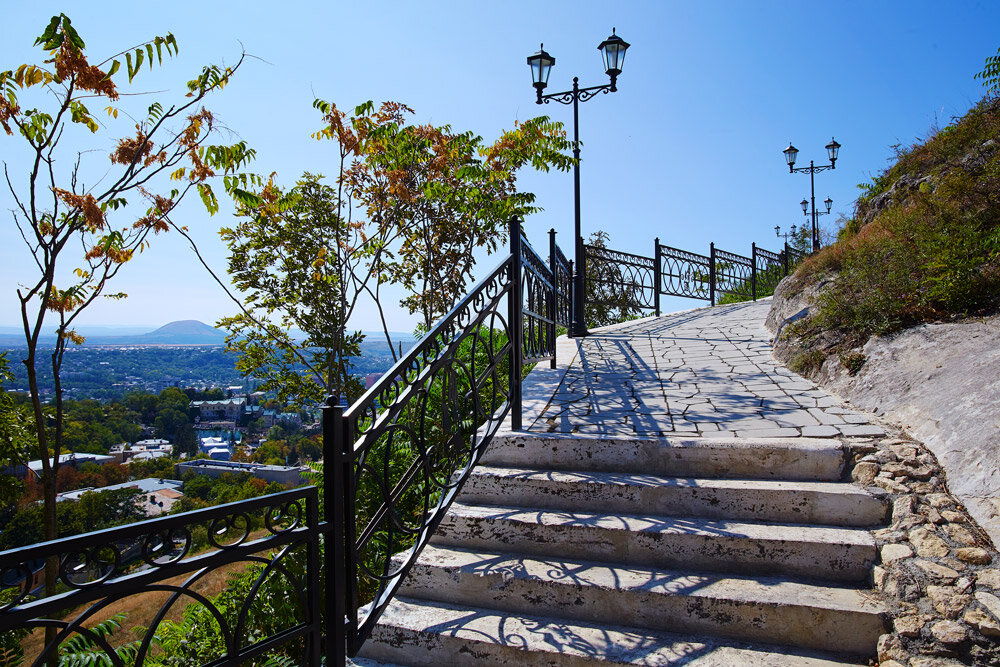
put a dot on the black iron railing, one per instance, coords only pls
(393, 463)
(769, 269)
(636, 282)
(401, 453)
(615, 277)
(97, 569)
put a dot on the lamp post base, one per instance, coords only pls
(577, 331)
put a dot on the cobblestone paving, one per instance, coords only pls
(701, 372)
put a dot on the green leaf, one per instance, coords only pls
(139, 56)
(149, 52)
(50, 31)
(128, 65)
(54, 43)
(74, 37)
(208, 198)
(114, 68)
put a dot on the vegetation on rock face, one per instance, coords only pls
(924, 244)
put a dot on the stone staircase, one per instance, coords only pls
(568, 550)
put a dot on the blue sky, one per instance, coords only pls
(688, 149)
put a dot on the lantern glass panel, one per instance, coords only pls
(790, 154)
(833, 149)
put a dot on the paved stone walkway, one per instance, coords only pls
(705, 372)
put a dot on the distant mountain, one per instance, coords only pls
(183, 332)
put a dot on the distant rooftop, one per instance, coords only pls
(148, 485)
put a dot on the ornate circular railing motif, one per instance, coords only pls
(96, 570)
(620, 279)
(733, 274)
(684, 273)
(419, 431)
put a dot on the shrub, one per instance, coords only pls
(928, 250)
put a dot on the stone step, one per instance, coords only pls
(765, 609)
(818, 459)
(834, 554)
(823, 503)
(417, 632)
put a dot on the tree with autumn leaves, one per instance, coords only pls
(80, 234)
(409, 205)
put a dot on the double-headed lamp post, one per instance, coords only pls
(832, 149)
(613, 50)
(787, 235)
(805, 208)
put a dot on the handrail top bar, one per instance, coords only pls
(732, 255)
(687, 253)
(621, 253)
(15, 557)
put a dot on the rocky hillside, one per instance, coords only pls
(900, 315)
(923, 246)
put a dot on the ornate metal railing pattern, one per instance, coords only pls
(562, 271)
(620, 277)
(733, 274)
(407, 445)
(400, 454)
(795, 255)
(684, 273)
(769, 269)
(97, 569)
(538, 292)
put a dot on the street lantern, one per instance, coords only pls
(613, 50)
(787, 235)
(790, 154)
(832, 149)
(541, 64)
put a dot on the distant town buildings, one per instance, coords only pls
(159, 495)
(287, 475)
(73, 459)
(227, 409)
(144, 450)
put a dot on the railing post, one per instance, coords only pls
(753, 270)
(554, 301)
(514, 317)
(711, 272)
(572, 288)
(656, 274)
(335, 542)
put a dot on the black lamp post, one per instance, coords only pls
(832, 149)
(805, 208)
(613, 51)
(787, 235)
